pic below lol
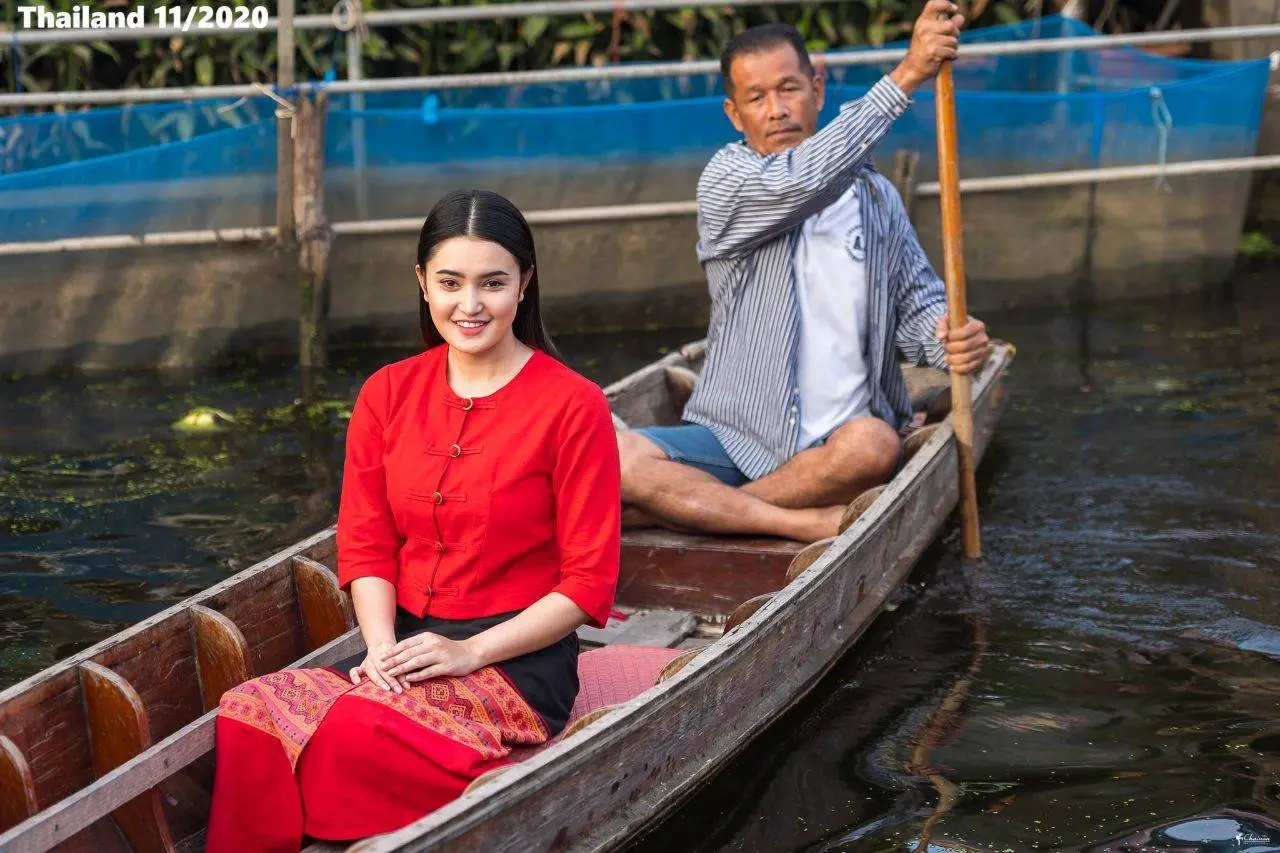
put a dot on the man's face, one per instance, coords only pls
(775, 104)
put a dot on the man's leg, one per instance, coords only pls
(685, 497)
(859, 455)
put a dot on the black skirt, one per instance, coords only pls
(546, 678)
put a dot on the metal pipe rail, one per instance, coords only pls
(630, 71)
(390, 18)
(635, 212)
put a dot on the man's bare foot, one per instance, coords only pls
(819, 523)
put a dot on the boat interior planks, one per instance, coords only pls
(661, 628)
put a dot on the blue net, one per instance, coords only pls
(211, 164)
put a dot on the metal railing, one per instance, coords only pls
(637, 212)
(628, 71)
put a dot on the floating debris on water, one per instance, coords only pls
(27, 526)
(192, 520)
(203, 419)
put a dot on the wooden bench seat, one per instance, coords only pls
(709, 575)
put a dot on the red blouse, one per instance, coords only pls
(474, 507)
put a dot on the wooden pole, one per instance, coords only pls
(284, 125)
(355, 71)
(957, 304)
(314, 238)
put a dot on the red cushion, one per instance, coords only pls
(607, 676)
(613, 674)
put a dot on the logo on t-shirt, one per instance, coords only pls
(855, 242)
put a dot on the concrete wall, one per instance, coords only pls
(1264, 208)
(185, 307)
(1241, 13)
(177, 308)
(1264, 205)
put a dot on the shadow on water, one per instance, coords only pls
(1131, 521)
(1130, 675)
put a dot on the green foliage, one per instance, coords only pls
(1255, 244)
(448, 48)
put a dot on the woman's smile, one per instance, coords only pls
(471, 328)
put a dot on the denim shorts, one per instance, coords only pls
(697, 446)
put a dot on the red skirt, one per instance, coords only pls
(304, 752)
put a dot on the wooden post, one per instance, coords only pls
(905, 177)
(957, 303)
(284, 126)
(355, 71)
(314, 237)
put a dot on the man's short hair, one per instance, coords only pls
(758, 39)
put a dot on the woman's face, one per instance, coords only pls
(473, 288)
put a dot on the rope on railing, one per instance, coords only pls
(349, 15)
(1163, 121)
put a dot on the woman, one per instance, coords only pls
(478, 529)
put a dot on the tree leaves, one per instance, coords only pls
(204, 70)
(539, 41)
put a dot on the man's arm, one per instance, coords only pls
(923, 335)
(745, 200)
(922, 296)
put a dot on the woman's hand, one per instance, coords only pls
(428, 655)
(371, 668)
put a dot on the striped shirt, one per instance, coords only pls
(750, 211)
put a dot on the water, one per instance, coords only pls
(1114, 664)
(1121, 639)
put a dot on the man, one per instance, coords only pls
(818, 283)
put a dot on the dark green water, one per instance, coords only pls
(1115, 661)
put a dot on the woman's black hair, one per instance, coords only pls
(488, 216)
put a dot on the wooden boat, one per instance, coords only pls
(111, 749)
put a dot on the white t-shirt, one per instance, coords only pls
(831, 288)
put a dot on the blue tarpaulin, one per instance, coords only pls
(211, 164)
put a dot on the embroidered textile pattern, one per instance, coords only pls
(481, 711)
(288, 704)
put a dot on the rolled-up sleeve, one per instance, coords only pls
(368, 540)
(921, 296)
(587, 482)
